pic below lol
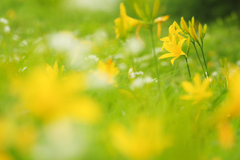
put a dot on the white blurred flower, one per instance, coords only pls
(62, 41)
(132, 74)
(7, 29)
(62, 142)
(238, 62)
(134, 45)
(3, 20)
(140, 82)
(76, 50)
(92, 58)
(214, 74)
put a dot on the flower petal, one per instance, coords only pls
(188, 87)
(167, 55)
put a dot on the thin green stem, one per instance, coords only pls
(189, 73)
(199, 59)
(204, 59)
(155, 57)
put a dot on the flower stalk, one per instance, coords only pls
(154, 54)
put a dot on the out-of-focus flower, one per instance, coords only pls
(7, 29)
(54, 71)
(143, 140)
(75, 49)
(107, 72)
(226, 135)
(3, 20)
(229, 71)
(132, 74)
(50, 99)
(5, 156)
(124, 23)
(92, 58)
(197, 92)
(134, 46)
(141, 81)
(232, 108)
(159, 22)
(63, 139)
(20, 137)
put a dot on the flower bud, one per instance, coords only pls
(184, 25)
(200, 31)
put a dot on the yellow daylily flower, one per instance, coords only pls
(159, 21)
(174, 48)
(142, 141)
(50, 100)
(107, 72)
(174, 30)
(226, 135)
(124, 23)
(53, 72)
(197, 92)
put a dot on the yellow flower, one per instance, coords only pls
(107, 72)
(124, 23)
(226, 135)
(174, 48)
(52, 100)
(53, 71)
(142, 141)
(174, 30)
(159, 21)
(232, 107)
(197, 92)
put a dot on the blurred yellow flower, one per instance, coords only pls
(107, 72)
(53, 71)
(124, 23)
(5, 156)
(174, 47)
(197, 92)
(144, 139)
(51, 100)
(159, 22)
(20, 137)
(226, 135)
(232, 108)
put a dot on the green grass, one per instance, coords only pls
(35, 21)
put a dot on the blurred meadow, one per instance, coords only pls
(119, 80)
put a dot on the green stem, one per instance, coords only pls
(155, 57)
(204, 58)
(199, 59)
(189, 73)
